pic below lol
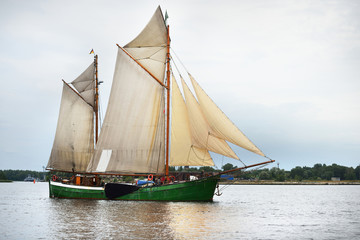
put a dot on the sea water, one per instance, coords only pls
(241, 212)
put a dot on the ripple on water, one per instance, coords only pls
(242, 212)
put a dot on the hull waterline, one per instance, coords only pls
(199, 190)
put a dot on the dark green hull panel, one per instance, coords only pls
(199, 190)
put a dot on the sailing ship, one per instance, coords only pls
(135, 137)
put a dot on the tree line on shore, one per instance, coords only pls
(319, 172)
(20, 175)
(316, 173)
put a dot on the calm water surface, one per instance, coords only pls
(242, 212)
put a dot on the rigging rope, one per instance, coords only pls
(145, 58)
(177, 69)
(192, 148)
(233, 181)
(207, 141)
(242, 162)
(179, 59)
(149, 57)
(100, 109)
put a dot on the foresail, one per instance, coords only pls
(132, 134)
(183, 152)
(85, 84)
(201, 132)
(149, 47)
(220, 124)
(74, 138)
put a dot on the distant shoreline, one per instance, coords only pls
(5, 181)
(290, 183)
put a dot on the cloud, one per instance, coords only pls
(285, 72)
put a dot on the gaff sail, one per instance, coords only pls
(74, 139)
(132, 138)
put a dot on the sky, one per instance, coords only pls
(287, 73)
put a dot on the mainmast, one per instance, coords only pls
(96, 105)
(168, 102)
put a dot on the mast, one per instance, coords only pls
(96, 105)
(168, 102)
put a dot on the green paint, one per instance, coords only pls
(199, 190)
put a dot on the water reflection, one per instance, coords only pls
(131, 220)
(89, 219)
(109, 219)
(242, 212)
(195, 220)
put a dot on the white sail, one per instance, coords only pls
(132, 138)
(183, 152)
(85, 84)
(149, 47)
(202, 134)
(132, 135)
(219, 123)
(74, 138)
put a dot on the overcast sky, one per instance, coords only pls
(287, 73)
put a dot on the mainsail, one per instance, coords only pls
(132, 138)
(74, 139)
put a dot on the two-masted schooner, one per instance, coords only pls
(135, 137)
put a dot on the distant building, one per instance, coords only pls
(335, 179)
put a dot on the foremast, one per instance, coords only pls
(78, 123)
(96, 105)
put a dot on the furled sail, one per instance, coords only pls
(149, 47)
(85, 84)
(183, 152)
(74, 138)
(219, 123)
(203, 136)
(132, 134)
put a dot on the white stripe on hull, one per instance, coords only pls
(76, 186)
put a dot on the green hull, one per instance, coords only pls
(199, 190)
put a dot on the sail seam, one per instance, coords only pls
(149, 57)
(77, 93)
(143, 67)
(162, 46)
